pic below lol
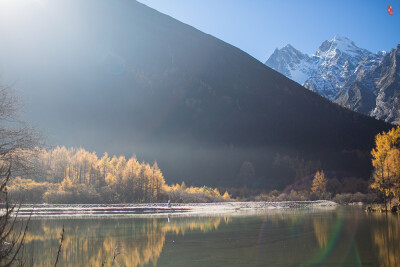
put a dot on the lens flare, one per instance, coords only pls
(358, 259)
(292, 186)
(322, 253)
(114, 63)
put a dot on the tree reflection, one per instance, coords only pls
(137, 242)
(386, 235)
(322, 229)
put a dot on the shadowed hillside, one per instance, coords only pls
(120, 77)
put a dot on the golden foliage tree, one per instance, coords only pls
(319, 183)
(126, 180)
(386, 162)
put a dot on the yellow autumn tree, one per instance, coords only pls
(319, 183)
(66, 184)
(226, 196)
(159, 181)
(386, 162)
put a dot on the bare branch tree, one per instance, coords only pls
(16, 139)
(59, 247)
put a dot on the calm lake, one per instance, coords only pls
(341, 236)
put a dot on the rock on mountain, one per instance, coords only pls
(374, 88)
(346, 74)
(293, 63)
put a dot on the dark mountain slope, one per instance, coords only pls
(121, 77)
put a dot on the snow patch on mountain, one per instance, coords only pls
(323, 72)
(346, 74)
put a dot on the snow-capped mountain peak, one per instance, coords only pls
(289, 48)
(340, 44)
(326, 70)
(346, 74)
(288, 60)
(317, 71)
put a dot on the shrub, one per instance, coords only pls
(29, 191)
(183, 194)
(347, 198)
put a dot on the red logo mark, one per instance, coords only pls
(390, 10)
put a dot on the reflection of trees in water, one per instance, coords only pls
(323, 224)
(90, 242)
(322, 228)
(386, 235)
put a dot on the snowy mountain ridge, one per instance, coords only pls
(339, 69)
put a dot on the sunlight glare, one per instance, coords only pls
(15, 5)
(18, 9)
(43, 3)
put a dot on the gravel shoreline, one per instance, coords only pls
(161, 209)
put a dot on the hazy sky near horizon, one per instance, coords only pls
(258, 27)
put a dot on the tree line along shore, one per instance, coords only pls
(74, 175)
(70, 175)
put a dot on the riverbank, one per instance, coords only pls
(161, 209)
(381, 208)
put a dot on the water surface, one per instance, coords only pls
(342, 236)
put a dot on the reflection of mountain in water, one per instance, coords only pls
(92, 242)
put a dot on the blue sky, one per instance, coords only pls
(260, 26)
